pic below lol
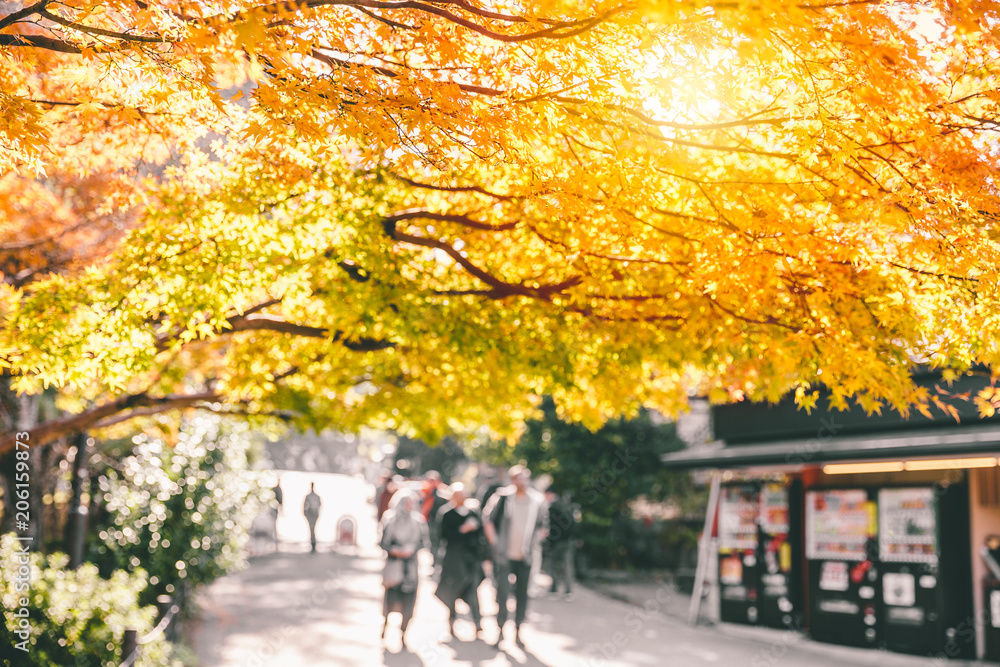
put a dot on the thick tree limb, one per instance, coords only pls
(454, 188)
(57, 428)
(259, 322)
(23, 13)
(463, 220)
(501, 289)
(252, 320)
(40, 42)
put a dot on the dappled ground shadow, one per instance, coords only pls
(297, 609)
(322, 610)
(403, 658)
(290, 608)
(466, 653)
(294, 608)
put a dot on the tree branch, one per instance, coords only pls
(463, 220)
(694, 127)
(57, 428)
(39, 42)
(55, 18)
(448, 188)
(501, 289)
(254, 321)
(555, 29)
(334, 61)
(257, 322)
(656, 136)
(10, 19)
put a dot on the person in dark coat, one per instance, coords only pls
(560, 542)
(465, 550)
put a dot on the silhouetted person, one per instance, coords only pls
(276, 509)
(310, 508)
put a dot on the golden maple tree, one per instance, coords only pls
(418, 213)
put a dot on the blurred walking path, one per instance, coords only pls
(292, 608)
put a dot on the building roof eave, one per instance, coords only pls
(827, 448)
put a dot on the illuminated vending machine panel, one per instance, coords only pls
(843, 577)
(915, 587)
(739, 507)
(779, 601)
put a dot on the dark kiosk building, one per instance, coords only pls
(873, 531)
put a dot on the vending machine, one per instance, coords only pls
(779, 575)
(841, 525)
(926, 571)
(739, 507)
(990, 553)
(758, 554)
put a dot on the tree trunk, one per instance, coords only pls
(9, 414)
(76, 524)
(21, 415)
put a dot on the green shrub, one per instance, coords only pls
(182, 512)
(75, 618)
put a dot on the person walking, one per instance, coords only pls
(560, 543)
(431, 502)
(465, 553)
(404, 534)
(276, 509)
(310, 508)
(392, 485)
(492, 482)
(514, 520)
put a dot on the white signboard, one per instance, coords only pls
(899, 589)
(834, 576)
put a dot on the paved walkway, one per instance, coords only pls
(297, 609)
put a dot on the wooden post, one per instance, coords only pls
(704, 549)
(76, 535)
(130, 644)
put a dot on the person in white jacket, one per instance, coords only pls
(404, 534)
(515, 519)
